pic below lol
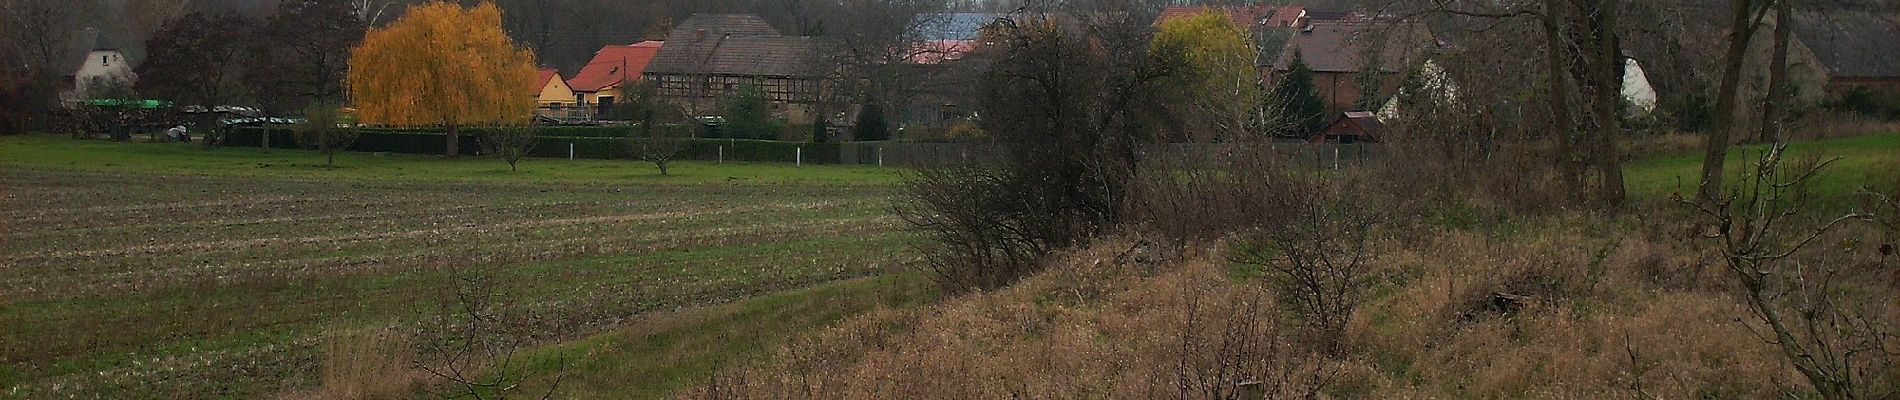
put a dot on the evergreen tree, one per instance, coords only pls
(871, 124)
(747, 116)
(1305, 111)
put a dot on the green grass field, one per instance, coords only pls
(162, 270)
(1862, 159)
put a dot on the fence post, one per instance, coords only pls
(570, 151)
(799, 160)
(722, 154)
(880, 155)
(1335, 158)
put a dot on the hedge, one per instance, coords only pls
(413, 142)
(547, 131)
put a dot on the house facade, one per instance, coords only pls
(556, 99)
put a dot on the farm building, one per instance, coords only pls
(712, 56)
(1855, 53)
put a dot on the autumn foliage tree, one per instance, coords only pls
(1216, 85)
(442, 64)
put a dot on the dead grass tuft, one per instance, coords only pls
(373, 364)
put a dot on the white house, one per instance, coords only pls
(102, 67)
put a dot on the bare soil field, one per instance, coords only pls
(116, 284)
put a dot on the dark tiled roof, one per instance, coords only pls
(1851, 44)
(733, 44)
(1337, 46)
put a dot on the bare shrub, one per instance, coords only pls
(1198, 198)
(1062, 94)
(1316, 259)
(1834, 327)
(474, 346)
(511, 143)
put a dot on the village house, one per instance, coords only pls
(1850, 53)
(1351, 54)
(555, 99)
(607, 79)
(102, 71)
(710, 57)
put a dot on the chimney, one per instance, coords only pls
(699, 35)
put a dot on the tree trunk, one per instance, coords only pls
(1780, 94)
(455, 140)
(1608, 54)
(1560, 102)
(1716, 154)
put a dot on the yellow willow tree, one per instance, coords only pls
(1216, 84)
(442, 64)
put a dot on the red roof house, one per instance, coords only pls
(600, 82)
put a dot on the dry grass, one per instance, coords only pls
(1841, 125)
(375, 364)
(1566, 306)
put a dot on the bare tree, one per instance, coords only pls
(510, 142)
(1780, 92)
(322, 130)
(660, 146)
(374, 12)
(1744, 20)
(1830, 321)
(1583, 68)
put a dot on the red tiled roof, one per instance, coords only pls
(933, 52)
(614, 64)
(1245, 17)
(543, 76)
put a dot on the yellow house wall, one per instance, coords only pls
(556, 92)
(593, 99)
